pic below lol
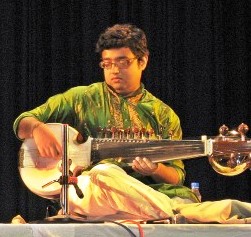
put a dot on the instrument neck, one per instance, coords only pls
(156, 150)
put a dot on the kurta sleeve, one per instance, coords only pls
(49, 112)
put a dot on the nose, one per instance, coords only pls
(114, 68)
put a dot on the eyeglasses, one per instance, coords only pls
(122, 63)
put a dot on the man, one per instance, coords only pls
(121, 102)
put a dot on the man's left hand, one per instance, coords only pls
(144, 166)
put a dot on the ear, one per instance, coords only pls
(143, 62)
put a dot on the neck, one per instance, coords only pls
(126, 94)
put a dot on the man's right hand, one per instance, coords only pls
(47, 143)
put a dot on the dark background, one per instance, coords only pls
(199, 65)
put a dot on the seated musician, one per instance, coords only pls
(121, 101)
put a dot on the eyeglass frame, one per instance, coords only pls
(128, 60)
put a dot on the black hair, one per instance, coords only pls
(123, 35)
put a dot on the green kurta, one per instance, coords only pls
(89, 108)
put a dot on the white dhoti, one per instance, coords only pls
(110, 192)
(224, 211)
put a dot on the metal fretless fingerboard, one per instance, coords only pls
(156, 150)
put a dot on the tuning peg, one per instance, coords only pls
(223, 130)
(150, 132)
(170, 133)
(143, 132)
(135, 131)
(127, 133)
(243, 129)
(113, 131)
(121, 133)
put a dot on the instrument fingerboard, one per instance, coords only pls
(156, 150)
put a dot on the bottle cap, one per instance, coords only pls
(195, 185)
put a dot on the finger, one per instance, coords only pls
(150, 164)
(136, 161)
(139, 170)
(53, 152)
(42, 153)
(145, 164)
(140, 162)
(137, 167)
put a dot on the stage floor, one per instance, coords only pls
(114, 230)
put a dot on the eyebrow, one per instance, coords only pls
(117, 58)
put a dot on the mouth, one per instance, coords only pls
(116, 79)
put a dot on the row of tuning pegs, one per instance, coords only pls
(128, 133)
(240, 132)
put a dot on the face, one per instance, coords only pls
(123, 80)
